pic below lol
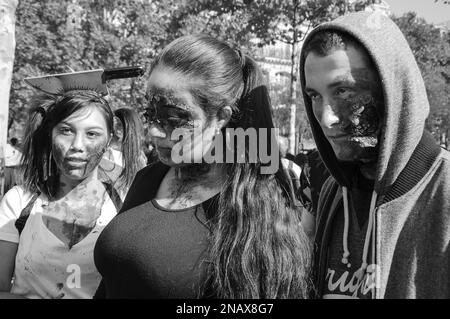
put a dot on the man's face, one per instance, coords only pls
(347, 101)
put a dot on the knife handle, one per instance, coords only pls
(122, 73)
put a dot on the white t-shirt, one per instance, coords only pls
(112, 164)
(12, 156)
(45, 266)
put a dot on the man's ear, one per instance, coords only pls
(224, 116)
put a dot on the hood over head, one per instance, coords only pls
(405, 101)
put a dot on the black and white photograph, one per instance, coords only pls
(224, 155)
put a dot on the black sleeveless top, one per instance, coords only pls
(148, 251)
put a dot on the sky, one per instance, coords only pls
(432, 12)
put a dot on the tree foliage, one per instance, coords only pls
(431, 48)
(54, 36)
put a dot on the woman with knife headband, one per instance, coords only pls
(49, 225)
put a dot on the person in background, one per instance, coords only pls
(13, 157)
(50, 223)
(197, 229)
(112, 163)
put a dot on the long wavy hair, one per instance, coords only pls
(39, 170)
(258, 248)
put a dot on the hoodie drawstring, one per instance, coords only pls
(345, 237)
(370, 230)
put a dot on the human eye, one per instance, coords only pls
(93, 134)
(150, 114)
(314, 96)
(65, 130)
(343, 92)
(177, 122)
(149, 111)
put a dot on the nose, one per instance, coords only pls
(157, 131)
(328, 116)
(78, 142)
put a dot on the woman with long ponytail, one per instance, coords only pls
(195, 228)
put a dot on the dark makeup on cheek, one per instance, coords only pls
(92, 157)
(363, 109)
(362, 118)
(94, 152)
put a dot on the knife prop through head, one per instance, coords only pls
(94, 80)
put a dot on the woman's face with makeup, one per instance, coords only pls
(78, 144)
(174, 116)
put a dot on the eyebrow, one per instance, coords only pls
(349, 78)
(179, 111)
(342, 80)
(95, 128)
(308, 89)
(345, 79)
(71, 125)
(171, 100)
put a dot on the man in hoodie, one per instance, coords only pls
(383, 220)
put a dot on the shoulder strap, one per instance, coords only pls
(145, 185)
(25, 213)
(114, 195)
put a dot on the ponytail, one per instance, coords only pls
(259, 248)
(36, 168)
(131, 144)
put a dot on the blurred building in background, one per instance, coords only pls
(444, 27)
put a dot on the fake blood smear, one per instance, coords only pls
(364, 120)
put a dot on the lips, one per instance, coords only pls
(163, 148)
(73, 161)
(338, 137)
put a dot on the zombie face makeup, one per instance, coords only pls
(175, 117)
(347, 102)
(167, 111)
(78, 144)
(362, 122)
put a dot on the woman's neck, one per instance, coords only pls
(67, 186)
(203, 173)
(190, 185)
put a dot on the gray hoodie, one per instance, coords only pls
(411, 213)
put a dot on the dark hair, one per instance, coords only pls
(258, 248)
(11, 116)
(14, 141)
(131, 141)
(40, 172)
(325, 42)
